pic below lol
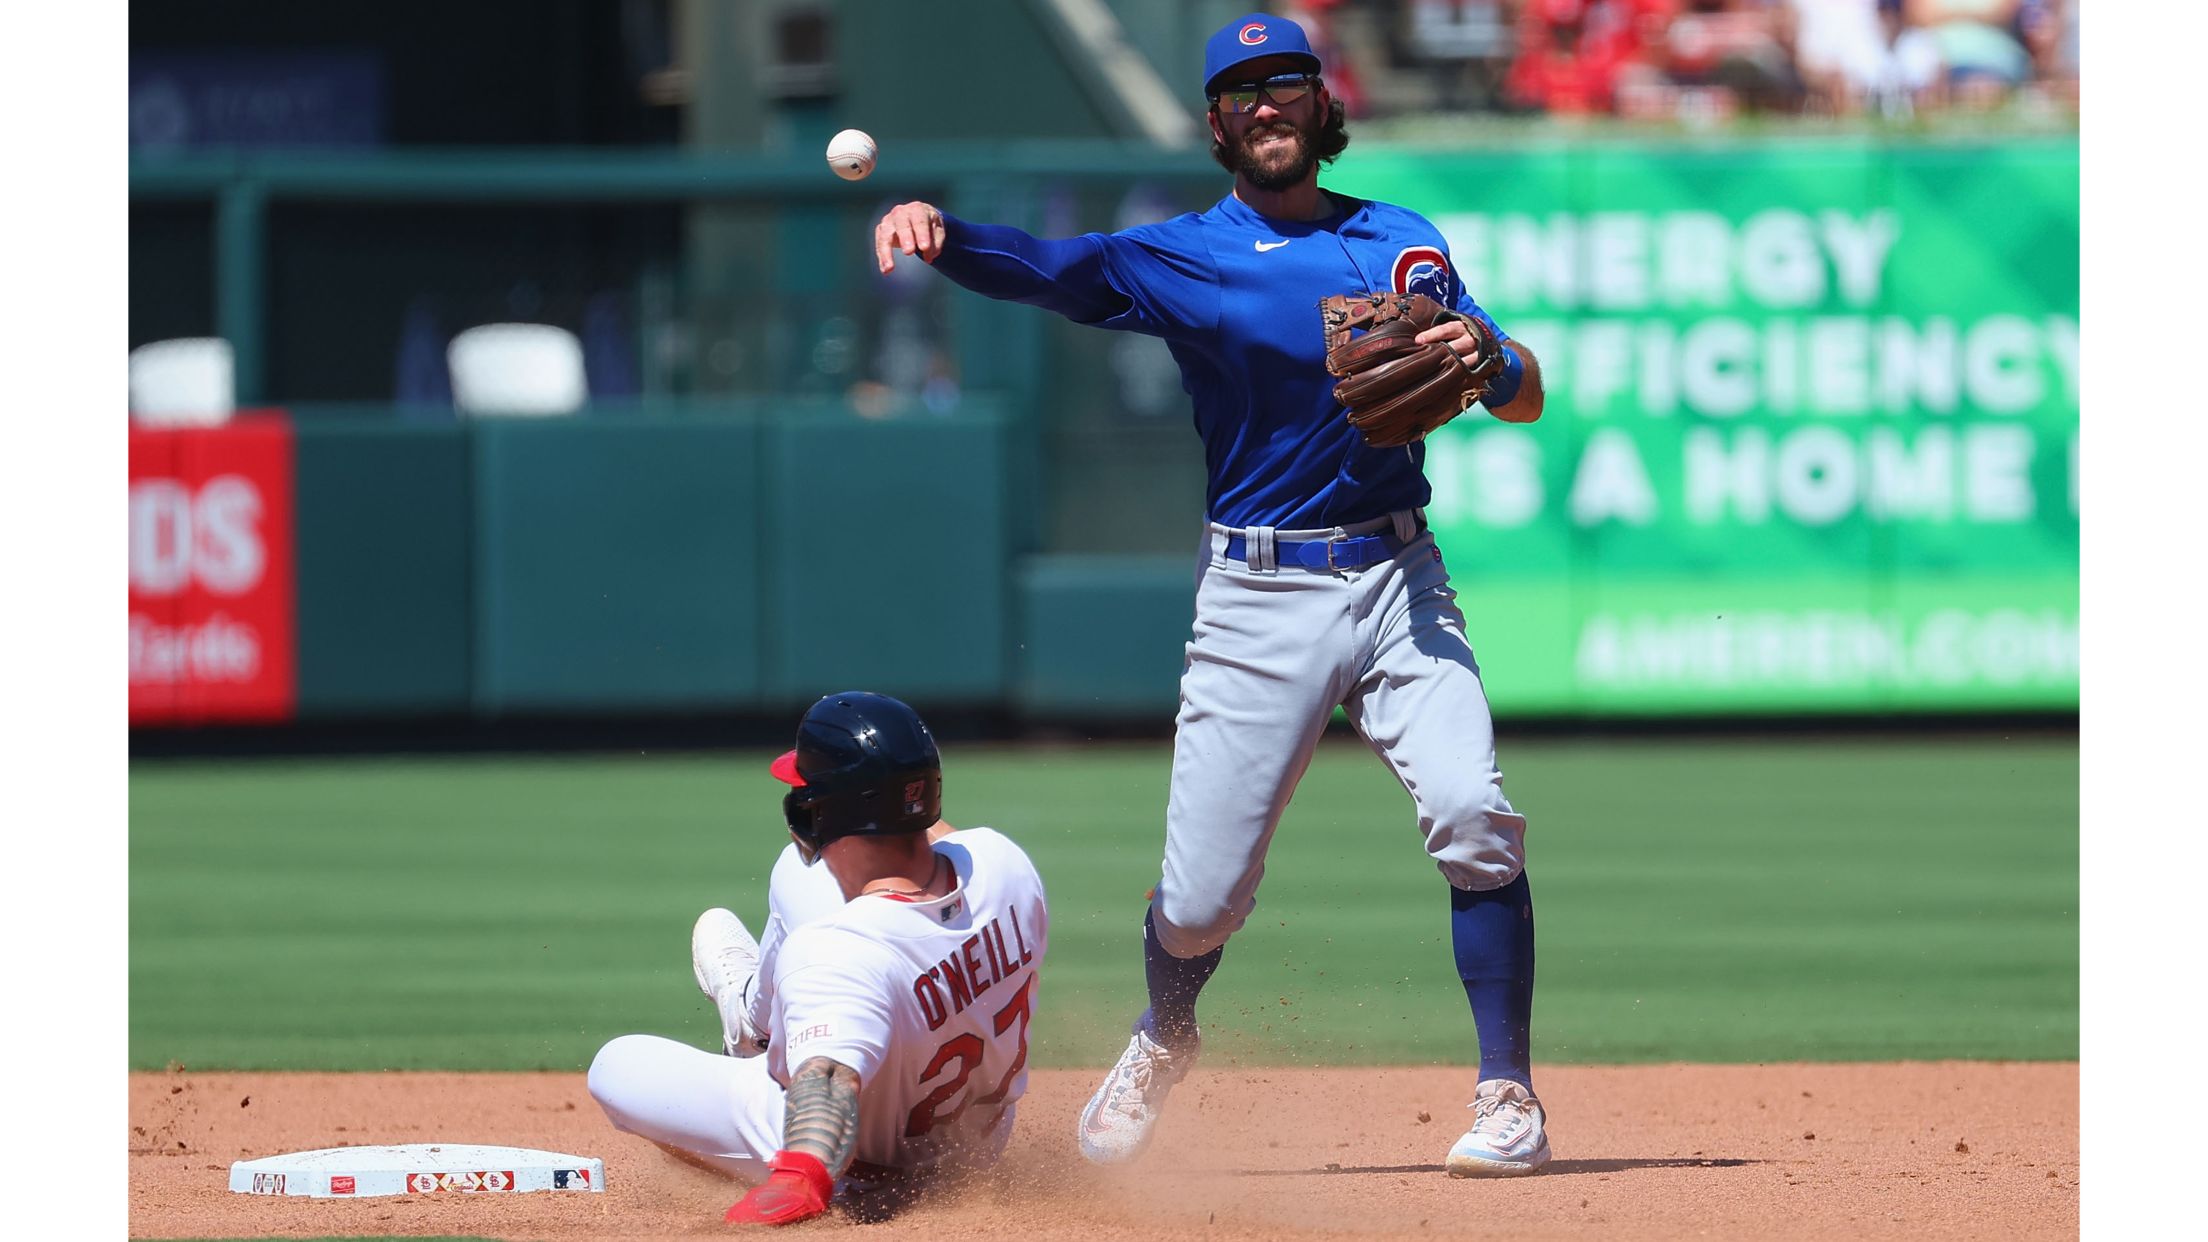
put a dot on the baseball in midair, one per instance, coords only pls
(851, 154)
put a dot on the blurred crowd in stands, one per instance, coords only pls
(1699, 61)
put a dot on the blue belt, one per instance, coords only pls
(1354, 552)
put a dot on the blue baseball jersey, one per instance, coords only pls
(1236, 295)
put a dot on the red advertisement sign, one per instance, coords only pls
(212, 613)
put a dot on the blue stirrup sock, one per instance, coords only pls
(1174, 983)
(1493, 936)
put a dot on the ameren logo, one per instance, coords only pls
(1813, 649)
(211, 537)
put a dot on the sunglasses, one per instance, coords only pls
(1283, 90)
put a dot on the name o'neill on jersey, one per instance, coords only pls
(984, 960)
(1424, 269)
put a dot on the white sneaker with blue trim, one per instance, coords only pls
(1509, 1135)
(1123, 1113)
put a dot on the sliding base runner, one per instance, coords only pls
(416, 1169)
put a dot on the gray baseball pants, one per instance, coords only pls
(1272, 653)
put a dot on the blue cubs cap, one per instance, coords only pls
(1249, 37)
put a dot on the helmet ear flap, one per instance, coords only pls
(797, 810)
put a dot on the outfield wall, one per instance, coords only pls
(657, 562)
(1811, 447)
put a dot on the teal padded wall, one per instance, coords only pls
(618, 564)
(383, 533)
(1103, 635)
(888, 555)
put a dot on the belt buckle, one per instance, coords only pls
(1333, 540)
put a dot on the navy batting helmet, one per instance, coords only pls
(864, 763)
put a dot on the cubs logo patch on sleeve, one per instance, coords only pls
(1425, 269)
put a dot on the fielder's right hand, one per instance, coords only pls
(914, 228)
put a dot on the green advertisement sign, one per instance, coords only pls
(1811, 440)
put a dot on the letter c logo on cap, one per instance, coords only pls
(1252, 34)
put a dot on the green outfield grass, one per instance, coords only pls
(1804, 900)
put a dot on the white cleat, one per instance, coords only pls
(1116, 1125)
(725, 959)
(1509, 1135)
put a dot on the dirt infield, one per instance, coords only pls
(1948, 1150)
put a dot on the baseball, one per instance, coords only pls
(851, 154)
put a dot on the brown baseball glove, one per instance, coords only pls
(1396, 391)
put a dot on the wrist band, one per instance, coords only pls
(808, 1167)
(1504, 388)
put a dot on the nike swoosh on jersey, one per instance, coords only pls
(1262, 247)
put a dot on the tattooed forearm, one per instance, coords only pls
(821, 1112)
